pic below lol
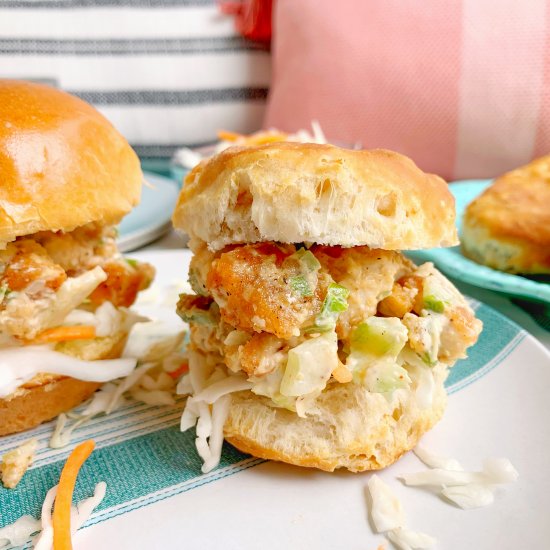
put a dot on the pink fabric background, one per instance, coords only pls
(463, 87)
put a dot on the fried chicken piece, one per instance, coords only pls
(26, 262)
(254, 287)
(368, 274)
(124, 281)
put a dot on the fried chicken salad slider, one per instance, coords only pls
(67, 177)
(507, 227)
(313, 340)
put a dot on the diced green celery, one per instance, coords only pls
(437, 294)
(300, 285)
(131, 262)
(307, 259)
(386, 378)
(427, 359)
(209, 317)
(379, 336)
(4, 292)
(434, 304)
(335, 302)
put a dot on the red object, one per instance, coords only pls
(252, 17)
(182, 369)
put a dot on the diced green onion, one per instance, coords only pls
(427, 359)
(379, 336)
(131, 262)
(434, 304)
(300, 285)
(336, 301)
(307, 259)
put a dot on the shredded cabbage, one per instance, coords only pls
(204, 431)
(152, 341)
(83, 509)
(163, 382)
(218, 389)
(441, 477)
(153, 397)
(126, 384)
(465, 489)
(208, 407)
(435, 461)
(197, 371)
(108, 319)
(19, 532)
(190, 415)
(386, 511)
(20, 364)
(389, 518)
(499, 470)
(45, 539)
(79, 514)
(101, 399)
(184, 386)
(469, 496)
(220, 412)
(410, 540)
(495, 471)
(61, 437)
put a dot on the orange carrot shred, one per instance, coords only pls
(225, 135)
(63, 500)
(183, 368)
(265, 137)
(61, 334)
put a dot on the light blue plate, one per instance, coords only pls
(454, 264)
(150, 220)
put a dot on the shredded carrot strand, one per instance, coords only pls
(63, 500)
(60, 334)
(225, 135)
(258, 138)
(183, 368)
(265, 137)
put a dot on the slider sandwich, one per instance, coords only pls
(313, 339)
(508, 226)
(67, 177)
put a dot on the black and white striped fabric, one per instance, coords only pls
(167, 73)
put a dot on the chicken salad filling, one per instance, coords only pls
(293, 320)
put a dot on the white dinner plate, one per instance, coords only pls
(157, 497)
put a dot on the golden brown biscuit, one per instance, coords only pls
(46, 395)
(294, 192)
(508, 226)
(63, 164)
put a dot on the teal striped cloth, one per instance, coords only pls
(142, 456)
